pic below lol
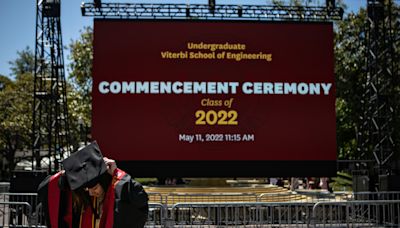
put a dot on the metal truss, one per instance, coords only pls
(206, 12)
(377, 125)
(50, 123)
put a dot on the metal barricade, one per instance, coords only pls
(241, 214)
(11, 200)
(16, 214)
(371, 213)
(197, 214)
(375, 196)
(318, 196)
(31, 198)
(340, 213)
(39, 217)
(288, 214)
(157, 215)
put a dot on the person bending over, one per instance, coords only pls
(91, 192)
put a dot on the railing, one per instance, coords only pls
(343, 196)
(353, 213)
(30, 198)
(241, 214)
(158, 214)
(371, 213)
(376, 196)
(16, 214)
(20, 210)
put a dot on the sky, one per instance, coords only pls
(17, 22)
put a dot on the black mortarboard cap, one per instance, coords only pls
(84, 167)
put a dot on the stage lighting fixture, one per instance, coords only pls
(330, 3)
(240, 11)
(341, 12)
(211, 5)
(187, 11)
(83, 10)
(97, 3)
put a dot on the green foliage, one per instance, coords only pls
(79, 116)
(147, 181)
(345, 128)
(81, 60)
(79, 94)
(278, 2)
(4, 82)
(16, 101)
(24, 63)
(342, 182)
(349, 62)
(15, 118)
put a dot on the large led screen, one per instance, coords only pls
(215, 98)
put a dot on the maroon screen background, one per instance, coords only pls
(145, 127)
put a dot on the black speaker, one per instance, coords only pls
(26, 181)
(330, 3)
(389, 183)
(360, 183)
(97, 3)
(211, 6)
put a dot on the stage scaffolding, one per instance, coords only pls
(376, 126)
(50, 130)
(211, 12)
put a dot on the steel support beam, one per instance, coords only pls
(50, 134)
(217, 12)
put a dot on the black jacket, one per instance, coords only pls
(125, 204)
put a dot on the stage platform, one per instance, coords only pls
(261, 193)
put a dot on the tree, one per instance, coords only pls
(15, 119)
(79, 110)
(349, 62)
(350, 52)
(4, 82)
(80, 100)
(81, 60)
(24, 63)
(16, 105)
(16, 101)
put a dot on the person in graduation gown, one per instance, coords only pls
(92, 193)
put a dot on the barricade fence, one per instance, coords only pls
(348, 196)
(241, 214)
(16, 214)
(22, 210)
(369, 213)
